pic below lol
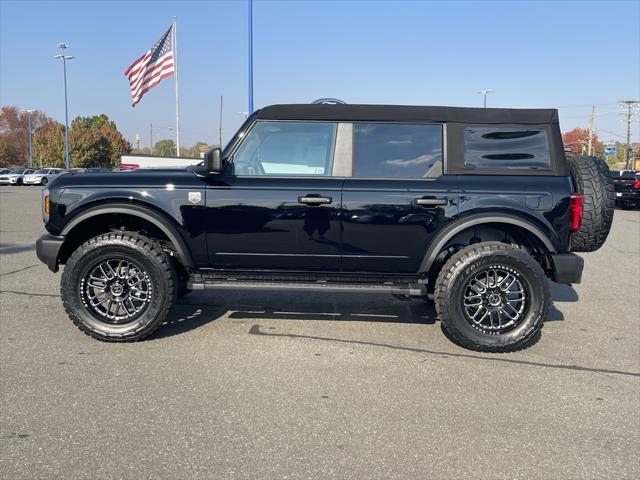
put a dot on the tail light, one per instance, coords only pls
(636, 184)
(575, 212)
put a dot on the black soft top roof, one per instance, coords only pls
(407, 113)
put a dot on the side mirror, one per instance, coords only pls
(213, 161)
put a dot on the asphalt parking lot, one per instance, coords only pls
(268, 385)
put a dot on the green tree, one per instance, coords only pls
(95, 122)
(93, 142)
(165, 148)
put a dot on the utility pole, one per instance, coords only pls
(151, 138)
(591, 119)
(138, 142)
(220, 121)
(630, 104)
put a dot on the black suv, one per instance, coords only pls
(473, 208)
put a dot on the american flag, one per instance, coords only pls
(147, 71)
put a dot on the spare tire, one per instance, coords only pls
(591, 179)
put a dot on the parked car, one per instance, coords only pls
(42, 176)
(15, 177)
(4, 171)
(472, 208)
(627, 187)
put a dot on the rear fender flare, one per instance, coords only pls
(462, 224)
(159, 220)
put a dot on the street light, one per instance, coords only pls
(64, 59)
(29, 112)
(484, 96)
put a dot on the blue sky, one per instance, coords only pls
(533, 54)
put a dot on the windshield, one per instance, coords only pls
(19, 171)
(40, 172)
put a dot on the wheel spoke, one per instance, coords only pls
(116, 290)
(494, 299)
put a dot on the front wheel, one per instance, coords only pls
(492, 297)
(118, 287)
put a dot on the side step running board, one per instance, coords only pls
(414, 289)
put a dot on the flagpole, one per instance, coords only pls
(175, 65)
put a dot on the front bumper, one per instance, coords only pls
(32, 181)
(9, 181)
(47, 248)
(567, 267)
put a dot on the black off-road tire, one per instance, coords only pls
(591, 179)
(136, 248)
(451, 284)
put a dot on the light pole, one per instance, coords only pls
(250, 105)
(484, 96)
(29, 112)
(64, 59)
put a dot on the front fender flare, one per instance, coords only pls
(461, 224)
(159, 220)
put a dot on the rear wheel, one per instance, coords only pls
(591, 179)
(118, 287)
(492, 297)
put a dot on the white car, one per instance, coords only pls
(42, 177)
(15, 177)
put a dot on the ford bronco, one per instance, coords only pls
(471, 208)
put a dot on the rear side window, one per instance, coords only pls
(387, 150)
(506, 148)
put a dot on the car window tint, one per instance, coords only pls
(384, 150)
(287, 148)
(510, 148)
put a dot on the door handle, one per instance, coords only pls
(308, 200)
(430, 202)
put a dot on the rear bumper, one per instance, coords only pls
(47, 248)
(567, 267)
(629, 196)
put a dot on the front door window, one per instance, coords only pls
(287, 149)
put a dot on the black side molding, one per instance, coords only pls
(567, 267)
(47, 249)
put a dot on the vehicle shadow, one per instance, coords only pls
(184, 317)
(560, 293)
(12, 248)
(200, 308)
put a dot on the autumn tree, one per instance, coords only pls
(14, 134)
(93, 142)
(48, 145)
(577, 140)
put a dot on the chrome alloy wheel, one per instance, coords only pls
(116, 290)
(495, 299)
